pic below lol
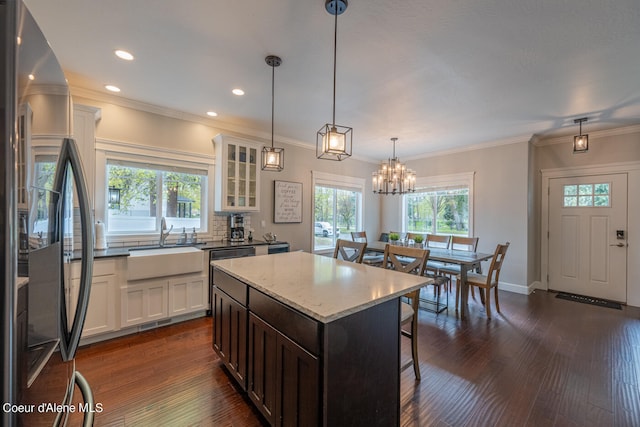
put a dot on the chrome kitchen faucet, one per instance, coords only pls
(163, 235)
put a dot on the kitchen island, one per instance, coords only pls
(313, 340)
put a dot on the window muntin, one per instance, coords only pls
(587, 195)
(438, 211)
(149, 192)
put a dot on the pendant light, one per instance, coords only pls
(581, 142)
(393, 177)
(272, 158)
(333, 142)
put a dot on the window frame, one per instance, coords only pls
(152, 156)
(442, 182)
(341, 182)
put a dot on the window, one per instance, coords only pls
(148, 192)
(440, 205)
(586, 195)
(337, 207)
(44, 172)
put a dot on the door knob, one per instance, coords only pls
(620, 245)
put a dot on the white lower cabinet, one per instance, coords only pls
(144, 301)
(187, 294)
(150, 300)
(101, 313)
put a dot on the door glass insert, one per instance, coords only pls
(587, 195)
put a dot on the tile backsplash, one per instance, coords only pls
(219, 229)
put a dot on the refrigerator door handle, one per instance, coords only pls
(69, 156)
(87, 395)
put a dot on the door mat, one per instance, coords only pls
(589, 300)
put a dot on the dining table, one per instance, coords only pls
(466, 260)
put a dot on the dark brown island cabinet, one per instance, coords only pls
(302, 372)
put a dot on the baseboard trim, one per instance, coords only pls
(516, 289)
(141, 328)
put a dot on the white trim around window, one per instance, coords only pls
(128, 152)
(335, 181)
(442, 182)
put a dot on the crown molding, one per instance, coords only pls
(220, 126)
(480, 146)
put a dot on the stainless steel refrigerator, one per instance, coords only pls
(45, 222)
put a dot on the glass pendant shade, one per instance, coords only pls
(334, 142)
(581, 142)
(273, 159)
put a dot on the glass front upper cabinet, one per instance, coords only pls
(237, 175)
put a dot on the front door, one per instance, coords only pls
(587, 236)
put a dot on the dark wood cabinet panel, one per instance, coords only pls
(291, 323)
(230, 334)
(301, 372)
(262, 367)
(283, 378)
(298, 386)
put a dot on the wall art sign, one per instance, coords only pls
(287, 202)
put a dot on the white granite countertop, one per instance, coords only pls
(323, 288)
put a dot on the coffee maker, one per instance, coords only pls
(236, 228)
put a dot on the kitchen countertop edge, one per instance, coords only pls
(271, 289)
(213, 245)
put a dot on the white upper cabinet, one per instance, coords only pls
(237, 174)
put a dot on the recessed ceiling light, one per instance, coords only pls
(32, 77)
(212, 114)
(238, 92)
(123, 54)
(112, 88)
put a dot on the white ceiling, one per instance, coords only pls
(437, 74)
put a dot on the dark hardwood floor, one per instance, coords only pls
(542, 362)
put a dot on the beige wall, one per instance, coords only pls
(500, 201)
(507, 189)
(123, 124)
(618, 147)
(299, 162)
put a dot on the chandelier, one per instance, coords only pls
(393, 177)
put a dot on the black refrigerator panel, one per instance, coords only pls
(44, 219)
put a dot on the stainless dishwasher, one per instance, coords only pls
(277, 248)
(226, 253)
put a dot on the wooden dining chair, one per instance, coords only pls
(491, 279)
(369, 258)
(436, 241)
(349, 251)
(458, 243)
(395, 257)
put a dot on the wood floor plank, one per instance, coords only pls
(543, 361)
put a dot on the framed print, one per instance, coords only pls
(287, 202)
